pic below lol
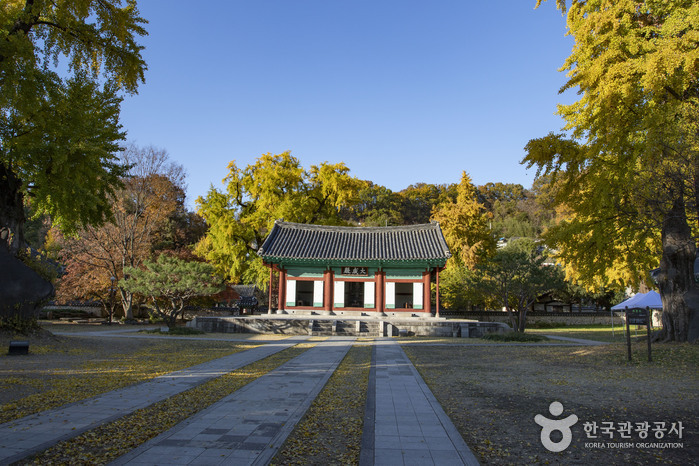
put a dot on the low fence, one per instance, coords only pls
(534, 317)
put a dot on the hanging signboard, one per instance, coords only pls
(359, 271)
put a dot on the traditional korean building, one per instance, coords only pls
(355, 270)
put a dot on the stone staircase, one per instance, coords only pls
(355, 328)
(344, 327)
(369, 329)
(321, 327)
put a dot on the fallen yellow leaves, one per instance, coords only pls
(108, 442)
(331, 430)
(493, 393)
(51, 388)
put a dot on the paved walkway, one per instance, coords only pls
(577, 341)
(404, 423)
(248, 426)
(409, 426)
(31, 434)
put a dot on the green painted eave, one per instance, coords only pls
(327, 263)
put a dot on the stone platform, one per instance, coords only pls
(348, 326)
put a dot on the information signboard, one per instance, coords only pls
(637, 317)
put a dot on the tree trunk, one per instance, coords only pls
(522, 319)
(678, 289)
(11, 210)
(127, 303)
(513, 318)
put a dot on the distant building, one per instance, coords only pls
(355, 270)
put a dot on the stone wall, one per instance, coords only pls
(570, 320)
(244, 325)
(387, 327)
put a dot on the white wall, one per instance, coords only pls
(417, 295)
(291, 292)
(339, 294)
(390, 295)
(318, 293)
(369, 288)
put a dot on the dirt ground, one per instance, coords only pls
(493, 394)
(61, 369)
(53, 356)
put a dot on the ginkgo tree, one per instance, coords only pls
(627, 166)
(464, 222)
(60, 133)
(274, 187)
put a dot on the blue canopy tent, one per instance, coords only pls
(641, 301)
(649, 300)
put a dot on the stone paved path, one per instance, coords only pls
(577, 341)
(410, 427)
(31, 434)
(248, 426)
(404, 423)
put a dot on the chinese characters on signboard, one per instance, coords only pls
(360, 271)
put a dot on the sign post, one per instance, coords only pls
(648, 324)
(637, 317)
(628, 334)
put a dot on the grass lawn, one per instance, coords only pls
(492, 395)
(596, 332)
(452, 341)
(64, 370)
(152, 330)
(491, 392)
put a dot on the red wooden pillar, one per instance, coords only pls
(328, 290)
(380, 284)
(426, 293)
(282, 289)
(436, 312)
(271, 278)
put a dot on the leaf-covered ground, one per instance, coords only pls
(492, 394)
(331, 430)
(61, 370)
(599, 332)
(108, 442)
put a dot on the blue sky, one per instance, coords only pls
(401, 91)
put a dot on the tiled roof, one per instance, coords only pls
(296, 241)
(244, 290)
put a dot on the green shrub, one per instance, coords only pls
(186, 331)
(17, 324)
(514, 336)
(45, 268)
(547, 325)
(64, 312)
(176, 331)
